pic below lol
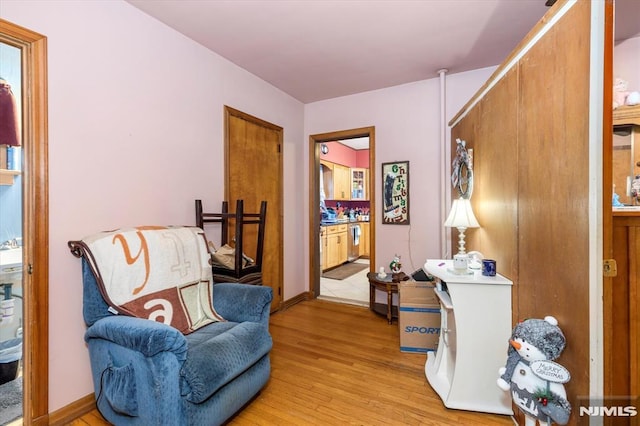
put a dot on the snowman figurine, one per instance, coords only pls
(395, 264)
(534, 380)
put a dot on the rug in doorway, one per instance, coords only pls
(345, 271)
(11, 401)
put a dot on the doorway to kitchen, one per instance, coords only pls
(342, 214)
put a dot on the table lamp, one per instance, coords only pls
(461, 216)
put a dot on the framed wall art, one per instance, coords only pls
(395, 193)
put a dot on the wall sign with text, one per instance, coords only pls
(395, 193)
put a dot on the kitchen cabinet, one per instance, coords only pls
(359, 184)
(337, 245)
(626, 162)
(341, 182)
(364, 239)
(626, 153)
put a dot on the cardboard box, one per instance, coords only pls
(419, 317)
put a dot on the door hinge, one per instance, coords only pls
(279, 291)
(609, 268)
(279, 149)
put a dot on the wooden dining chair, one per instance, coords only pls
(244, 269)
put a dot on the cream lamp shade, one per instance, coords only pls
(461, 216)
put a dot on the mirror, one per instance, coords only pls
(11, 294)
(626, 166)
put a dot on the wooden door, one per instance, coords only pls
(253, 172)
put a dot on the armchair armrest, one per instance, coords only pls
(142, 335)
(243, 302)
(135, 365)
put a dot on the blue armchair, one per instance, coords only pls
(149, 373)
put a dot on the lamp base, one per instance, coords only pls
(461, 242)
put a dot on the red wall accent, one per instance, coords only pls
(342, 154)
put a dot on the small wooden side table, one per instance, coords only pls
(389, 287)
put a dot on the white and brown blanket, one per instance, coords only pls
(156, 272)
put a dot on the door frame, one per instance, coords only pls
(314, 198)
(35, 213)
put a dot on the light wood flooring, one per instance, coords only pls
(337, 364)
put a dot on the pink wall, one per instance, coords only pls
(626, 62)
(342, 154)
(133, 112)
(362, 158)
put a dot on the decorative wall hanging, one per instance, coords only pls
(462, 170)
(395, 193)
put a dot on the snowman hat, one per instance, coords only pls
(544, 334)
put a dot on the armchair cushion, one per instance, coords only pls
(241, 302)
(233, 346)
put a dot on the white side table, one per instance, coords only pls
(474, 337)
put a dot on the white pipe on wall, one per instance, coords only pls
(444, 163)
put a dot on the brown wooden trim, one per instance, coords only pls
(373, 211)
(634, 315)
(626, 221)
(295, 300)
(628, 213)
(314, 197)
(248, 117)
(622, 114)
(35, 221)
(73, 411)
(314, 221)
(607, 192)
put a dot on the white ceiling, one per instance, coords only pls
(356, 143)
(322, 49)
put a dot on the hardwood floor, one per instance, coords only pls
(336, 364)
